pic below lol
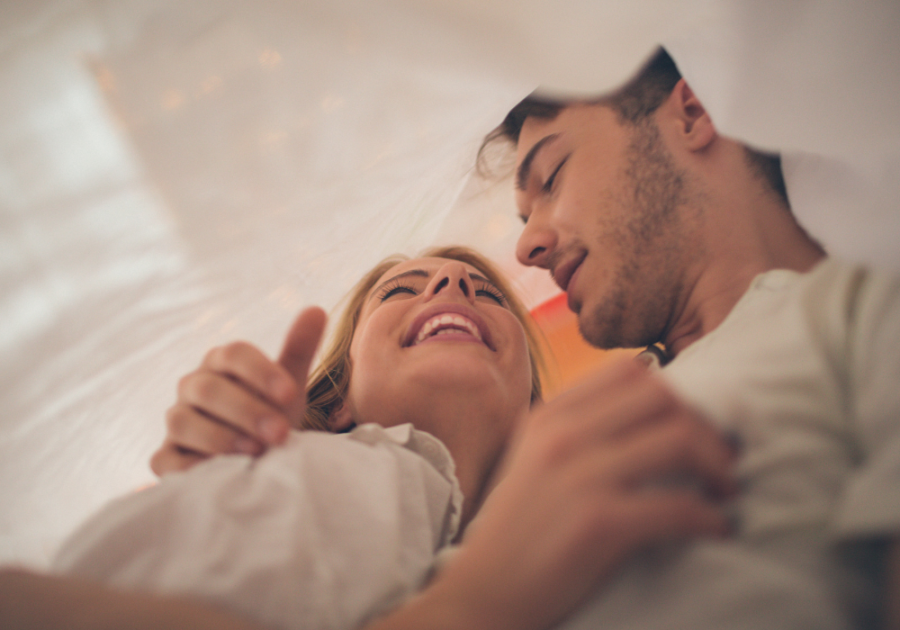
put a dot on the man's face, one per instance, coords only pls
(605, 208)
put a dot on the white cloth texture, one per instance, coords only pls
(806, 371)
(327, 531)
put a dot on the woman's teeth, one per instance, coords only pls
(444, 324)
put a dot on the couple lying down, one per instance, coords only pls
(439, 492)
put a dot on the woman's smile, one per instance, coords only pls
(448, 321)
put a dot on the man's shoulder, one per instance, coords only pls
(833, 286)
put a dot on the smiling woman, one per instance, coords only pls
(387, 282)
(431, 365)
(431, 376)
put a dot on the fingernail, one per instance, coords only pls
(272, 430)
(247, 445)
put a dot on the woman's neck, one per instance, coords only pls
(476, 434)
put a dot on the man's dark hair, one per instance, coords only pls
(634, 103)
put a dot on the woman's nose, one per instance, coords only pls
(451, 279)
(536, 244)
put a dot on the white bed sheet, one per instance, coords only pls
(176, 175)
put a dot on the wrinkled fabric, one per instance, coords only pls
(326, 531)
(178, 175)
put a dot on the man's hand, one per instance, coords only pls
(239, 400)
(588, 483)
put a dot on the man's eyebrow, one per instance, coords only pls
(422, 274)
(524, 170)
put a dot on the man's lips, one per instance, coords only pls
(451, 309)
(562, 274)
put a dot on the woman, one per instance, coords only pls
(439, 343)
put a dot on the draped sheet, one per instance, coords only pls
(177, 175)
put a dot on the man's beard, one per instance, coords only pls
(653, 242)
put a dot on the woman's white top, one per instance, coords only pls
(327, 531)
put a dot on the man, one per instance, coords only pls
(662, 231)
(652, 223)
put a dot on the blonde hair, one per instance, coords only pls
(330, 380)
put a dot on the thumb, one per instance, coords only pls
(301, 343)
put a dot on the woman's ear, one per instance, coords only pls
(342, 419)
(695, 127)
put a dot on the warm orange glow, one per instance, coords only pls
(569, 356)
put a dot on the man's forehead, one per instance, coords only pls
(535, 130)
(571, 119)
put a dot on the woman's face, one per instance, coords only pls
(433, 334)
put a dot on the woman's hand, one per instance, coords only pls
(587, 485)
(239, 400)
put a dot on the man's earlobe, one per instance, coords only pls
(697, 127)
(341, 419)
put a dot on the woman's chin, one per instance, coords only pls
(456, 370)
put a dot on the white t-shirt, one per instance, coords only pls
(806, 370)
(327, 531)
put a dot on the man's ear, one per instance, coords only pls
(694, 125)
(342, 419)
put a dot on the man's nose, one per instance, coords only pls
(536, 244)
(451, 278)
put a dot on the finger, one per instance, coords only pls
(671, 516)
(666, 452)
(227, 401)
(297, 355)
(624, 408)
(191, 430)
(615, 399)
(248, 365)
(630, 406)
(301, 343)
(169, 459)
(608, 377)
(610, 529)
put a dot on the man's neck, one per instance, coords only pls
(769, 238)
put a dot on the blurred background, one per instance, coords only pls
(176, 175)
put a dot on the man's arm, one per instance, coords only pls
(30, 601)
(576, 501)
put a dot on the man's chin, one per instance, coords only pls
(592, 331)
(604, 328)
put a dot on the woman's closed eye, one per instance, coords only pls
(491, 292)
(396, 287)
(400, 286)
